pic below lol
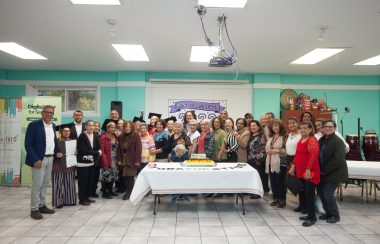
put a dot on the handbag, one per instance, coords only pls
(294, 184)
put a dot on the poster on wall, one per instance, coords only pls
(204, 109)
(31, 111)
(10, 141)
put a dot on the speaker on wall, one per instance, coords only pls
(118, 106)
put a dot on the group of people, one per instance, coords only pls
(116, 152)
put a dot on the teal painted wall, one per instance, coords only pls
(364, 104)
(266, 100)
(12, 91)
(133, 99)
(330, 80)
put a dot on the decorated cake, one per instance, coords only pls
(198, 160)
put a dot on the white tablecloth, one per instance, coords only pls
(369, 170)
(172, 178)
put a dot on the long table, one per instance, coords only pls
(369, 170)
(364, 170)
(173, 178)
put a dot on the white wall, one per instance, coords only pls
(238, 96)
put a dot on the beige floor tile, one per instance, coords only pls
(134, 240)
(187, 231)
(240, 240)
(187, 240)
(138, 231)
(54, 239)
(27, 239)
(81, 240)
(236, 231)
(113, 231)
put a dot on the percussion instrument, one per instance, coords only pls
(354, 153)
(370, 146)
(353, 142)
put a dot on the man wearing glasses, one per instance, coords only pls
(332, 160)
(41, 147)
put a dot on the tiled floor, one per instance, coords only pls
(205, 221)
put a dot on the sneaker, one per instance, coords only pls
(85, 203)
(309, 222)
(324, 216)
(91, 201)
(46, 210)
(35, 214)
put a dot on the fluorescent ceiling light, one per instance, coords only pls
(19, 51)
(371, 61)
(317, 55)
(223, 3)
(131, 52)
(97, 2)
(202, 53)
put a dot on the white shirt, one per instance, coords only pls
(318, 135)
(344, 141)
(49, 132)
(291, 144)
(194, 136)
(91, 139)
(78, 128)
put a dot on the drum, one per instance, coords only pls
(370, 144)
(353, 142)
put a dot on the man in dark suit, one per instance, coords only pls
(77, 126)
(41, 147)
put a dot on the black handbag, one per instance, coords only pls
(294, 184)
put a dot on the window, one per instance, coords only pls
(84, 99)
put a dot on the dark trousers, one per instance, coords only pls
(277, 182)
(310, 198)
(263, 176)
(119, 184)
(326, 192)
(231, 157)
(107, 188)
(85, 178)
(302, 199)
(95, 180)
(129, 182)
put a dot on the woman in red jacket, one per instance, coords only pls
(306, 166)
(110, 147)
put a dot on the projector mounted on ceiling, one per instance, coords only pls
(223, 57)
